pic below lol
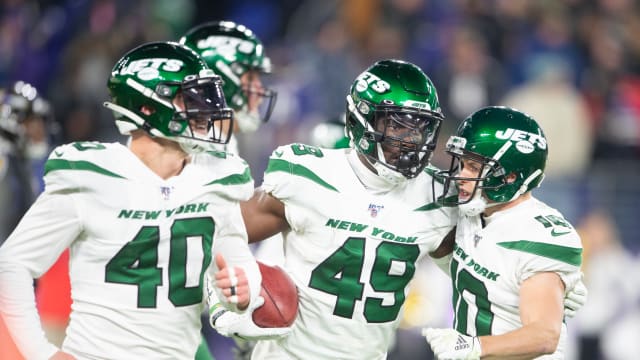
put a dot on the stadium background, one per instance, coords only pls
(573, 64)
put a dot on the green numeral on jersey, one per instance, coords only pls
(137, 262)
(340, 273)
(464, 281)
(550, 220)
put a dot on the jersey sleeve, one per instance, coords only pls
(546, 255)
(44, 232)
(49, 227)
(232, 242)
(280, 176)
(232, 179)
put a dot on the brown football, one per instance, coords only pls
(280, 295)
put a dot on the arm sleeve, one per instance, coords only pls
(49, 227)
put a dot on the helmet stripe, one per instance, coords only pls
(148, 92)
(503, 149)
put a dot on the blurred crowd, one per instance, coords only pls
(574, 65)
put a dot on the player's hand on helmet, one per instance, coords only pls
(230, 324)
(575, 298)
(231, 286)
(448, 344)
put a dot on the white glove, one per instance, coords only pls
(231, 324)
(448, 344)
(575, 299)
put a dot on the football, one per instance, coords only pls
(280, 298)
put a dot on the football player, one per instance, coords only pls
(356, 220)
(25, 130)
(143, 223)
(515, 257)
(236, 54)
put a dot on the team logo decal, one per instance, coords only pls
(476, 239)
(368, 80)
(374, 209)
(147, 69)
(525, 142)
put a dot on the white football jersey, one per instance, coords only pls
(351, 252)
(140, 246)
(490, 263)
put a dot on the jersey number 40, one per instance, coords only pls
(137, 262)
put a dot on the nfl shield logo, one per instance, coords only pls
(375, 209)
(166, 191)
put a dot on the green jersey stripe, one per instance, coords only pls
(432, 172)
(60, 164)
(234, 179)
(569, 255)
(295, 169)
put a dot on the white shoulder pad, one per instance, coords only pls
(291, 163)
(76, 165)
(227, 173)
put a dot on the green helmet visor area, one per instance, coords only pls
(406, 137)
(490, 177)
(205, 110)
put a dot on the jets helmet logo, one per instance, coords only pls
(368, 80)
(147, 69)
(525, 141)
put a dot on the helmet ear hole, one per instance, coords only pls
(511, 178)
(147, 110)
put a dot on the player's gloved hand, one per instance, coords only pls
(448, 344)
(231, 324)
(575, 298)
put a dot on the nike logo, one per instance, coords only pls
(278, 153)
(559, 233)
(58, 153)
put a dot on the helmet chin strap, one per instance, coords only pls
(362, 167)
(391, 176)
(474, 207)
(525, 184)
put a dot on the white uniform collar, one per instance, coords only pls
(506, 212)
(368, 178)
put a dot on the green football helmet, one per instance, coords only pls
(504, 141)
(145, 83)
(232, 50)
(389, 95)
